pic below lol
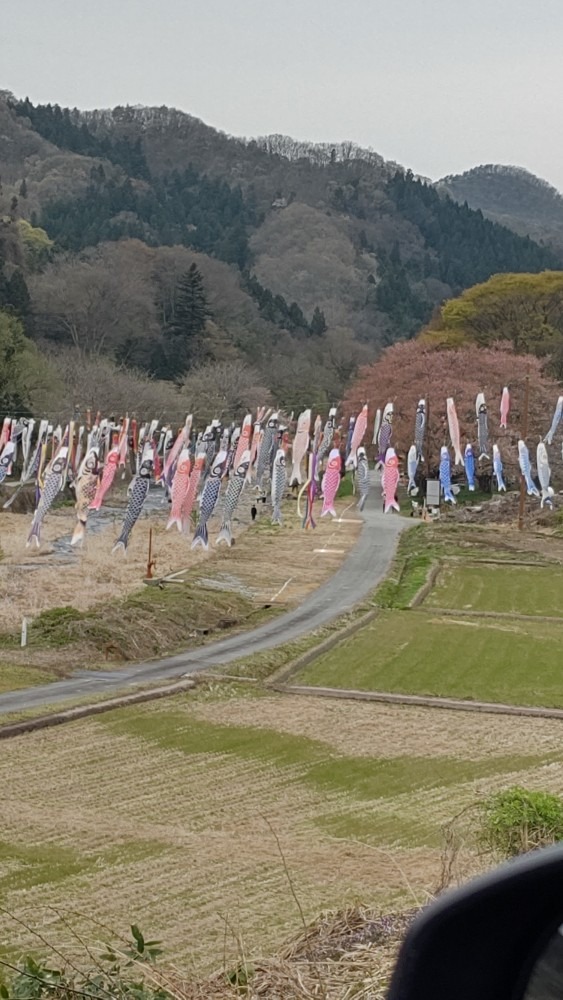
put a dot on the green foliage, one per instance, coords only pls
(22, 371)
(240, 976)
(275, 309)
(185, 343)
(394, 296)
(14, 294)
(426, 245)
(54, 626)
(346, 488)
(184, 207)
(114, 975)
(524, 309)
(171, 615)
(36, 244)
(512, 196)
(18, 297)
(138, 950)
(468, 248)
(416, 554)
(517, 820)
(398, 590)
(318, 324)
(445, 242)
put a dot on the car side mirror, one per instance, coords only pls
(496, 938)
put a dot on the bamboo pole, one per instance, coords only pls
(524, 436)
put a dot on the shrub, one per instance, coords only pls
(117, 974)
(516, 821)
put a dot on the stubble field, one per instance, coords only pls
(200, 817)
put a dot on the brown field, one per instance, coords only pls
(200, 817)
(270, 563)
(379, 730)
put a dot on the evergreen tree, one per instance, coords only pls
(57, 125)
(295, 317)
(4, 284)
(186, 329)
(318, 323)
(17, 294)
(181, 208)
(23, 189)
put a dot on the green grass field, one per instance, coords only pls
(525, 590)
(473, 656)
(14, 677)
(411, 652)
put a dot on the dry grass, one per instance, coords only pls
(129, 835)
(267, 564)
(208, 835)
(264, 559)
(347, 954)
(378, 730)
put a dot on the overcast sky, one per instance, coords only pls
(437, 85)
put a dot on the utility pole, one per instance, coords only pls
(524, 436)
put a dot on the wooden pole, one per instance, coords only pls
(524, 436)
(150, 561)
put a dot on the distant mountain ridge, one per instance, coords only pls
(513, 197)
(328, 251)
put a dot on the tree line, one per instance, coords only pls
(424, 246)
(468, 248)
(58, 126)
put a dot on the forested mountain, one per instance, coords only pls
(145, 235)
(513, 197)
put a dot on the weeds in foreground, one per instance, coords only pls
(347, 955)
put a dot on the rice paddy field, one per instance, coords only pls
(204, 819)
(485, 659)
(488, 630)
(522, 590)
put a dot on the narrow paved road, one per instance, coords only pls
(360, 573)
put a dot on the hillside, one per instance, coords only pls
(512, 196)
(302, 260)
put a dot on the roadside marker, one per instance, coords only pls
(335, 552)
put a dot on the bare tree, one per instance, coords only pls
(98, 300)
(96, 383)
(226, 390)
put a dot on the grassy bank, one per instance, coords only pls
(150, 622)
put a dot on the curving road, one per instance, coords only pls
(358, 576)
